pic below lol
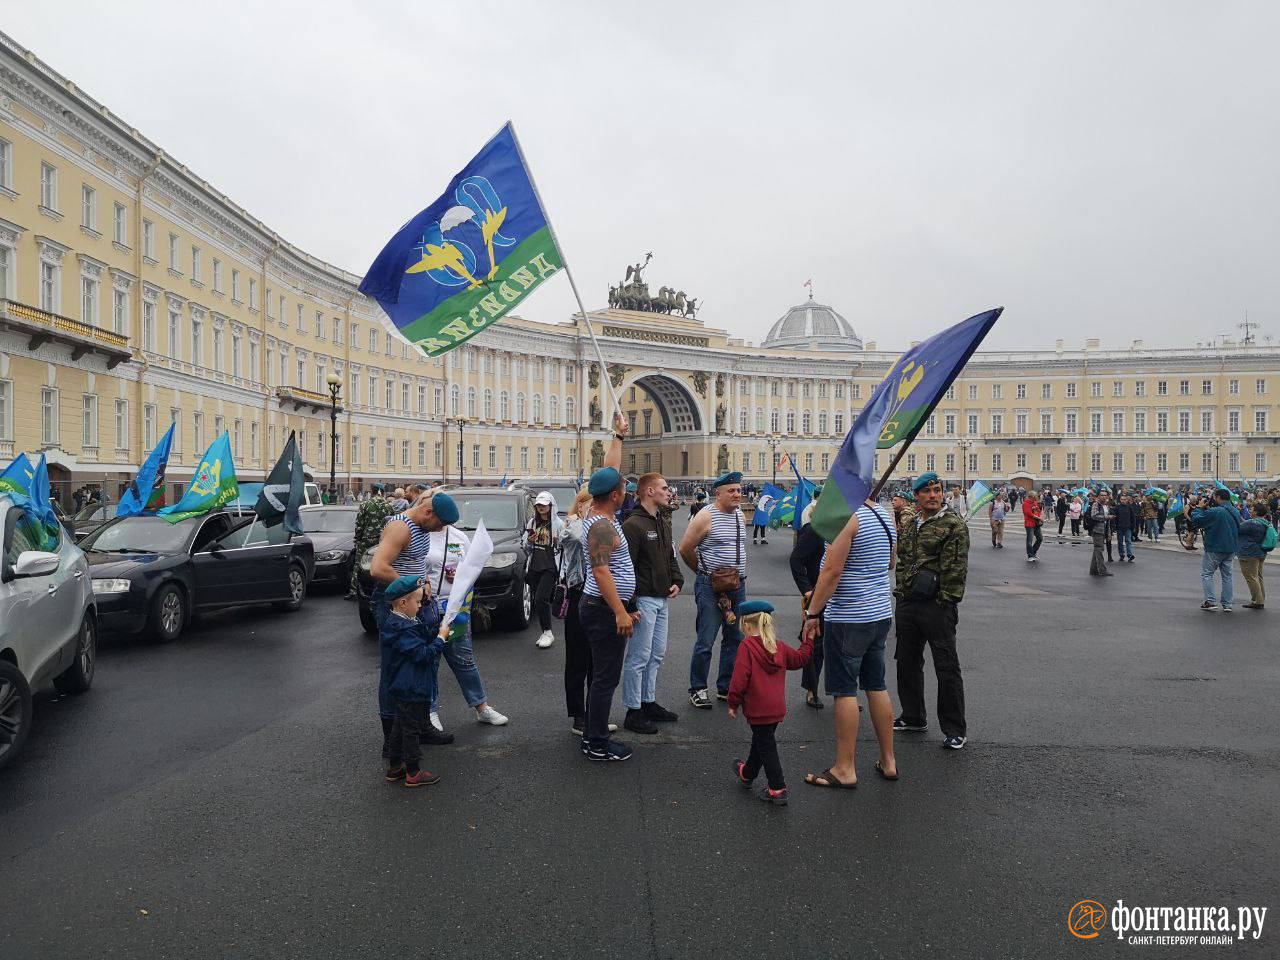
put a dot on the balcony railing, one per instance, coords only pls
(316, 402)
(43, 327)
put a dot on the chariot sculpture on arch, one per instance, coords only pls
(633, 294)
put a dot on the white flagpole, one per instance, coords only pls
(604, 370)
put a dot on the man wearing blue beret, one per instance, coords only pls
(933, 564)
(606, 609)
(713, 548)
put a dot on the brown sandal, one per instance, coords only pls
(880, 770)
(832, 781)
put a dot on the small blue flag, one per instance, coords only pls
(140, 493)
(214, 484)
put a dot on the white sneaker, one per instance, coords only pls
(435, 721)
(491, 716)
(546, 640)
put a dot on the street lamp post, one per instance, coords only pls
(335, 387)
(964, 443)
(1217, 443)
(773, 443)
(462, 470)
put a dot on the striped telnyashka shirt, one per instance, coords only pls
(865, 591)
(624, 574)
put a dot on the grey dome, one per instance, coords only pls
(813, 326)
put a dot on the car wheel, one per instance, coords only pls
(15, 711)
(367, 619)
(518, 615)
(79, 676)
(168, 614)
(297, 589)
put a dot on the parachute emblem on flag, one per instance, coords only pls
(909, 378)
(447, 250)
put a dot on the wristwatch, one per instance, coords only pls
(813, 616)
(618, 436)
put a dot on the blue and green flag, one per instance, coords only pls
(468, 259)
(979, 496)
(28, 488)
(895, 413)
(214, 484)
(1176, 507)
(17, 476)
(146, 490)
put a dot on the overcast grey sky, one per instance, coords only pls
(1100, 168)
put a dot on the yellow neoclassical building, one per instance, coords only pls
(134, 294)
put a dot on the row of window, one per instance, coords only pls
(1022, 423)
(1184, 389)
(1071, 461)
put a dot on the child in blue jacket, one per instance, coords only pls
(411, 656)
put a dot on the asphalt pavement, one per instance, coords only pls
(223, 796)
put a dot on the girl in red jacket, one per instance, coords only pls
(759, 687)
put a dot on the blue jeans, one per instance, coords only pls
(1153, 529)
(709, 622)
(1210, 563)
(1034, 539)
(460, 656)
(1124, 543)
(645, 650)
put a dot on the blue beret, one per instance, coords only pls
(605, 480)
(442, 506)
(701, 495)
(754, 606)
(400, 586)
(924, 480)
(631, 486)
(728, 478)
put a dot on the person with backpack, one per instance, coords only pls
(1257, 538)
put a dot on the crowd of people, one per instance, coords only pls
(1237, 525)
(610, 569)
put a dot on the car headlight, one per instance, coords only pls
(366, 560)
(501, 560)
(331, 555)
(111, 586)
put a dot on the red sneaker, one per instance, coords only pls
(395, 773)
(743, 782)
(423, 778)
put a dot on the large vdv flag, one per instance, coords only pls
(465, 261)
(214, 484)
(283, 493)
(146, 490)
(895, 413)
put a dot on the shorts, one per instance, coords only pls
(853, 654)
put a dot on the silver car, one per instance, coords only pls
(48, 622)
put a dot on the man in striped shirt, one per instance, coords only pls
(606, 609)
(714, 542)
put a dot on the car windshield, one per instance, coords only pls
(565, 495)
(94, 511)
(329, 521)
(498, 513)
(248, 496)
(141, 535)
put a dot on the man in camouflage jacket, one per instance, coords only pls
(936, 542)
(370, 517)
